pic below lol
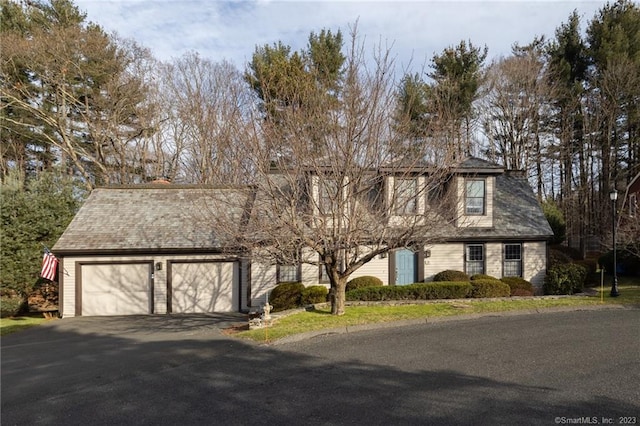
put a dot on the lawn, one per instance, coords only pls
(358, 315)
(11, 325)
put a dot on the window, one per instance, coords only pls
(288, 273)
(329, 194)
(633, 205)
(512, 266)
(474, 259)
(474, 197)
(323, 277)
(405, 191)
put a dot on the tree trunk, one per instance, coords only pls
(338, 296)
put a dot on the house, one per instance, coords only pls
(151, 249)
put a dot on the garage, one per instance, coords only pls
(115, 288)
(202, 286)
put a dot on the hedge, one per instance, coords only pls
(483, 277)
(419, 291)
(489, 288)
(519, 286)
(565, 279)
(286, 295)
(10, 306)
(450, 275)
(365, 281)
(314, 294)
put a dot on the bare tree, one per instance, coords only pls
(208, 105)
(346, 203)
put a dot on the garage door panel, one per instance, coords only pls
(204, 287)
(116, 289)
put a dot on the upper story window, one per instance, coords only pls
(329, 195)
(405, 190)
(633, 205)
(475, 194)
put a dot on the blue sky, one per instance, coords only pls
(414, 30)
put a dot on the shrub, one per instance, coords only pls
(10, 306)
(627, 263)
(518, 285)
(483, 277)
(450, 275)
(521, 292)
(314, 294)
(558, 256)
(286, 295)
(419, 291)
(365, 281)
(564, 279)
(489, 288)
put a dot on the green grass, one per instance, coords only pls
(11, 325)
(358, 315)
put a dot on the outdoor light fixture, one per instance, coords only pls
(159, 266)
(614, 286)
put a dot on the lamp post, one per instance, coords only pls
(614, 286)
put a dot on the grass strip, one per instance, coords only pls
(359, 315)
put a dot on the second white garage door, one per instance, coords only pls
(201, 287)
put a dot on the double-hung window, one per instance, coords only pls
(475, 197)
(288, 270)
(406, 201)
(512, 264)
(329, 195)
(474, 259)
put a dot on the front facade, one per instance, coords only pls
(150, 250)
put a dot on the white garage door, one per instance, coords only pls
(116, 289)
(201, 287)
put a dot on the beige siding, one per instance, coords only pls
(535, 263)
(377, 267)
(159, 281)
(493, 259)
(309, 272)
(263, 279)
(443, 257)
(484, 221)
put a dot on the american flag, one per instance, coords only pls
(49, 264)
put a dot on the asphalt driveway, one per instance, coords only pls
(529, 369)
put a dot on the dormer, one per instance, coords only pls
(475, 182)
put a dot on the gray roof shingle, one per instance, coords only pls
(148, 218)
(517, 213)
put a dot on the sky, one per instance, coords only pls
(413, 30)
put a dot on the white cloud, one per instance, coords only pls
(231, 29)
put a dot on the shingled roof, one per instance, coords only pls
(517, 213)
(154, 218)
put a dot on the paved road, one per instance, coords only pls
(536, 369)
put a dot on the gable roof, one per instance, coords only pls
(517, 212)
(151, 218)
(478, 165)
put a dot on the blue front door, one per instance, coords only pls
(405, 267)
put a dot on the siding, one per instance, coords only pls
(377, 267)
(493, 259)
(535, 263)
(443, 256)
(263, 279)
(473, 221)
